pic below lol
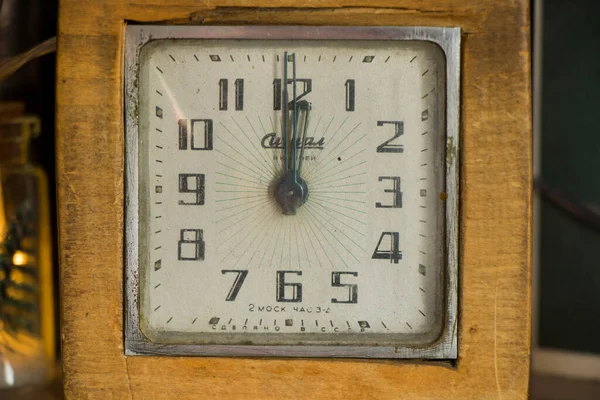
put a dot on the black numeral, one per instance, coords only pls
(202, 134)
(336, 281)
(237, 282)
(192, 183)
(392, 252)
(386, 147)
(224, 94)
(223, 83)
(397, 200)
(295, 288)
(239, 94)
(277, 90)
(276, 94)
(190, 246)
(349, 94)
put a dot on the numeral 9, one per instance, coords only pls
(192, 183)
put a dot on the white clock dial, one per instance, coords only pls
(240, 244)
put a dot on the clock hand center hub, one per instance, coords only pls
(291, 192)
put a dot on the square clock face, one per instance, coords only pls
(291, 191)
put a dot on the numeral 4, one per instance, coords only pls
(392, 252)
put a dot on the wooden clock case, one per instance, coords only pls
(495, 209)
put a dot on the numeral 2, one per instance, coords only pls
(386, 147)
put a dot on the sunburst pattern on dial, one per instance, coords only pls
(290, 191)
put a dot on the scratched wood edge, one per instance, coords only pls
(495, 223)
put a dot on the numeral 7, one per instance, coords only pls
(237, 282)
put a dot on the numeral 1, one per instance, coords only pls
(239, 94)
(276, 94)
(350, 93)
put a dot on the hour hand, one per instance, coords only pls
(305, 107)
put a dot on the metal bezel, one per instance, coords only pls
(449, 41)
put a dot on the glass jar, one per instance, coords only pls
(27, 346)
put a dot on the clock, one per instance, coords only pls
(292, 191)
(197, 260)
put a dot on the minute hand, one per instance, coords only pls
(291, 191)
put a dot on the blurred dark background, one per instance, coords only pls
(23, 25)
(569, 257)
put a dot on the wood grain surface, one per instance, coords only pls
(495, 204)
